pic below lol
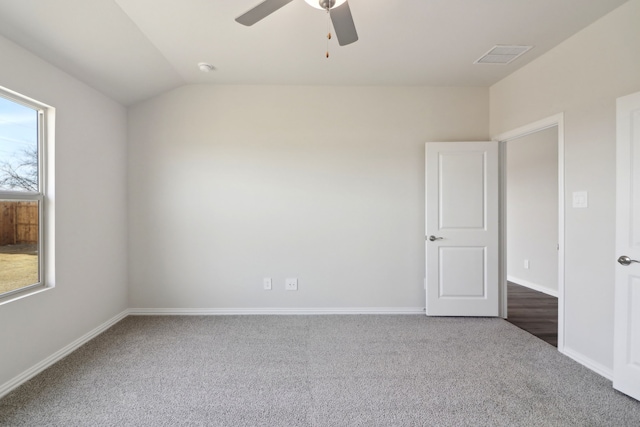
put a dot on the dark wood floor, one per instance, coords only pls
(533, 311)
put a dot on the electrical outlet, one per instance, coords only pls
(291, 284)
(526, 264)
(266, 283)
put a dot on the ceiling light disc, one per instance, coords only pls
(205, 68)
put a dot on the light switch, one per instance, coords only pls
(580, 199)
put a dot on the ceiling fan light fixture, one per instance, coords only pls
(338, 12)
(317, 3)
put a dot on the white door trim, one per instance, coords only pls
(555, 120)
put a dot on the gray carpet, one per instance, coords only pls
(356, 370)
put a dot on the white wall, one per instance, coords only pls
(232, 184)
(90, 216)
(532, 210)
(582, 77)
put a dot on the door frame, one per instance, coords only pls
(503, 138)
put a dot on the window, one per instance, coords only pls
(22, 134)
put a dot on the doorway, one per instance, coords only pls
(533, 228)
(532, 233)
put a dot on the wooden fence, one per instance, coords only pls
(18, 222)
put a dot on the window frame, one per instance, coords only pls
(38, 196)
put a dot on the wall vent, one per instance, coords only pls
(502, 54)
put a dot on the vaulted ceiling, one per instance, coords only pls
(134, 49)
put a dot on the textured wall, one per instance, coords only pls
(532, 209)
(232, 184)
(89, 228)
(582, 77)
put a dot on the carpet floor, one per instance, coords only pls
(360, 370)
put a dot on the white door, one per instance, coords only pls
(626, 365)
(462, 238)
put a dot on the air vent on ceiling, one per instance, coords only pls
(501, 54)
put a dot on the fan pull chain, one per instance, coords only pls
(328, 31)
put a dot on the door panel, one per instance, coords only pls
(462, 216)
(634, 322)
(469, 282)
(626, 366)
(631, 131)
(461, 193)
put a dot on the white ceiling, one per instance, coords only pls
(134, 49)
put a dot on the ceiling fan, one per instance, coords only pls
(338, 10)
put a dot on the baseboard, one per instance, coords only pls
(534, 286)
(271, 311)
(65, 351)
(596, 367)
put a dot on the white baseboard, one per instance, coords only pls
(65, 351)
(534, 286)
(271, 311)
(596, 367)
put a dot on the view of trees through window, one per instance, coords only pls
(20, 196)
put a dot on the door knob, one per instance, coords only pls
(434, 238)
(625, 260)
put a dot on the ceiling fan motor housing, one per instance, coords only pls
(327, 4)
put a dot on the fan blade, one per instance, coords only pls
(343, 24)
(262, 10)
